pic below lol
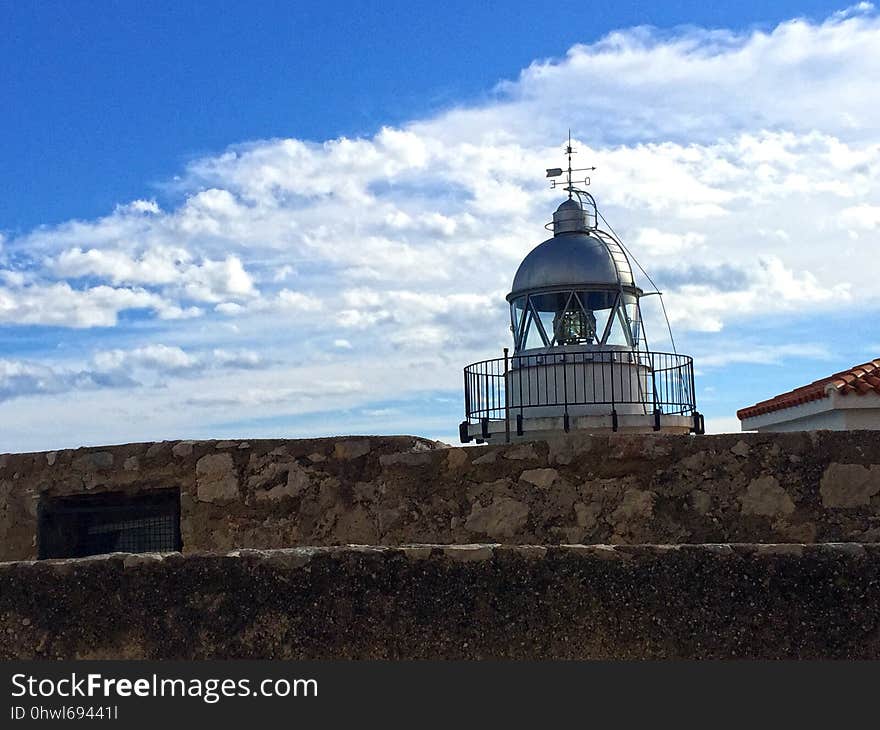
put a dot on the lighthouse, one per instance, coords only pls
(581, 359)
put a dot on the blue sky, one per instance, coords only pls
(227, 220)
(105, 101)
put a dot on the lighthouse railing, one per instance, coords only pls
(652, 383)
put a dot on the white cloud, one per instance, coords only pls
(158, 357)
(315, 392)
(140, 206)
(769, 289)
(692, 85)
(665, 243)
(763, 354)
(20, 378)
(118, 368)
(285, 301)
(283, 273)
(60, 304)
(862, 216)
(237, 359)
(206, 281)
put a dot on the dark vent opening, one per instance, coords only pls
(95, 524)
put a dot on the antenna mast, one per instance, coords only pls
(569, 151)
(569, 180)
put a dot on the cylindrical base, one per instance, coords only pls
(588, 388)
(529, 427)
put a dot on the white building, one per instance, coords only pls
(844, 401)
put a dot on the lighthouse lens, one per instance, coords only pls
(574, 326)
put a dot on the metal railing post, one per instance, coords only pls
(506, 402)
(565, 424)
(656, 397)
(613, 409)
(467, 396)
(519, 417)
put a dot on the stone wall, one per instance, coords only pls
(794, 488)
(478, 601)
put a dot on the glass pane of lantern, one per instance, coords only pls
(617, 335)
(548, 306)
(516, 317)
(632, 311)
(547, 319)
(599, 305)
(533, 334)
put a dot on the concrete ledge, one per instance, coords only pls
(466, 601)
(542, 427)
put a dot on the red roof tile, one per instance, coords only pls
(859, 379)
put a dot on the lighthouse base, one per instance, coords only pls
(528, 428)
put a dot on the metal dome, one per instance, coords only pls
(571, 260)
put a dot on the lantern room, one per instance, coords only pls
(575, 288)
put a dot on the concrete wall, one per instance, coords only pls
(465, 601)
(863, 418)
(791, 419)
(836, 413)
(798, 488)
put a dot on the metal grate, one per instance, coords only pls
(94, 524)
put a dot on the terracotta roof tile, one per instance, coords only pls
(859, 379)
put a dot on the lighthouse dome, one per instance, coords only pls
(575, 257)
(570, 260)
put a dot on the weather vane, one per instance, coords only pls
(557, 171)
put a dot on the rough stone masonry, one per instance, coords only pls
(762, 488)
(586, 546)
